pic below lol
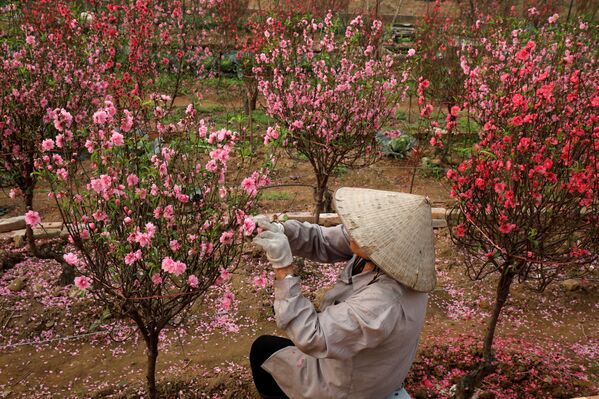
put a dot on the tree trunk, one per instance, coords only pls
(33, 249)
(152, 353)
(468, 384)
(251, 95)
(322, 198)
(318, 203)
(68, 272)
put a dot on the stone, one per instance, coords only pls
(439, 223)
(47, 232)
(326, 219)
(13, 223)
(438, 213)
(52, 225)
(18, 238)
(571, 284)
(9, 259)
(16, 285)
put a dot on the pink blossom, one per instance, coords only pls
(71, 259)
(62, 174)
(260, 281)
(553, 19)
(249, 185)
(174, 245)
(248, 226)
(133, 257)
(47, 145)
(132, 180)
(101, 184)
(226, 238)
(156, 279)
(150, 229)
(411, 52)
(192, 280)
(32, 218)
(100, 117)
(82, 282)
(227, 300)
(117, 139)
(171, 266)
(127, 122)
(143, 239)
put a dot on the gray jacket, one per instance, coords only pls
(361, 344)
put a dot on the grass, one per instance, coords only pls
(210, 108)
(467, 125)
(222, 82)
(275, 196)
(340, 171)
(401, 115)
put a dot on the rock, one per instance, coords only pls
(37, 288)
(52, 225)
(326, 219)
(17, 284)
(13, 223)
(439, 223)
(19, 241)
(571, 284)
(9, 259)
(47, 232)
(438, 213)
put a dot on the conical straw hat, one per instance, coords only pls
(394, 229)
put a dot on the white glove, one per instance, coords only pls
(264, 222)
(276, 245)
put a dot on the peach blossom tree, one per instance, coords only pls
(153, 222)
(330, 89)
(526, 199)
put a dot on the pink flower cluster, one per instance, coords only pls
(171, 266)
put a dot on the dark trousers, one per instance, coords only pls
(262, 348)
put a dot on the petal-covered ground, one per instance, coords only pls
(54, 342)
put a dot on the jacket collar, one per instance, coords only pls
(359, 280)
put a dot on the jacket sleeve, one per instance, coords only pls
(317, 243)
(340, 331)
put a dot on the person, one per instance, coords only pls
(363, 341)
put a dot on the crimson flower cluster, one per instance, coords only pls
(528, 193)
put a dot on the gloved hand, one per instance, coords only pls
(264, 222)
(276, 245)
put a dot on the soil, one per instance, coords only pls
(196, 361)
